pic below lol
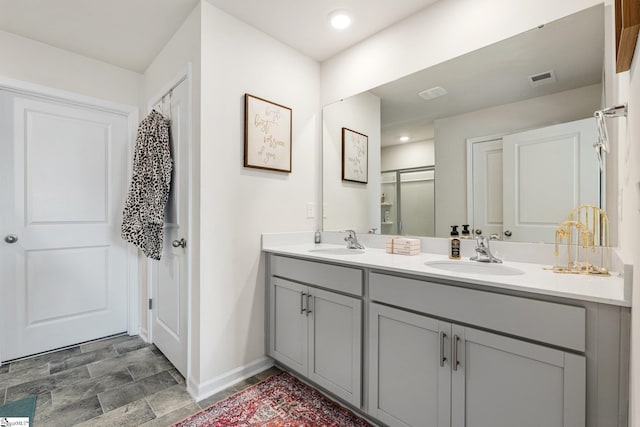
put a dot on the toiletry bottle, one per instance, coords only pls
(382, 198)
(466, 234)
(316, 237)
(454, 249)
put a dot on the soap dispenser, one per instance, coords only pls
(466, 234)
(454, 247)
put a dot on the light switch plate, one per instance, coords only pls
(311, 210)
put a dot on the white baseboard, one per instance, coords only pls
(144, 335)
(221, 382)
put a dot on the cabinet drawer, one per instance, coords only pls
(557, 324)
(334, 277)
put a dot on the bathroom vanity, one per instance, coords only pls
(408, 344)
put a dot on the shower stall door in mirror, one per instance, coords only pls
(407, 204)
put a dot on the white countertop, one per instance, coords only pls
(537, 280)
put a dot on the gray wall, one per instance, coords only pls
(404, 156)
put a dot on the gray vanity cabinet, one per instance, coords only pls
(427, 372)
(335, 344)
(444, 353)
(409, 375)
(288, 324)
(483, 359)
(503, 382)
(317, 332)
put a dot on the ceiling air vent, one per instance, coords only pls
(542, 78)
(434, 92)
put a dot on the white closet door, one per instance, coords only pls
(169, 276)
(64, 170)
(548, 172)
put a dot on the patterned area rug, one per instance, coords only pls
(278, 401)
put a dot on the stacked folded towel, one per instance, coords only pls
(403, 246)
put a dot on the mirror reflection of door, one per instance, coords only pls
(409, 202)
(508, 173)
(487, 187)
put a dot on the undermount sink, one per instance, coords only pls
(337, 251)
(474, 267)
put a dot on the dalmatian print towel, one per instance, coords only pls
(143, 216)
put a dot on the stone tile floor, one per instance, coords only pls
(119, 381)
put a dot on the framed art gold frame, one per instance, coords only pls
(267, 134)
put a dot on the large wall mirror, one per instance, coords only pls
(500, 138)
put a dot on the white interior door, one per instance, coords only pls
(487, 187)
(169, 276)
(548, 172)
(63, 170)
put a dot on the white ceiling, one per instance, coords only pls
(303, 24)
(498, 74)
(130, 33)
(126, 33)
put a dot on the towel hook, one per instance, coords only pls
(602, 144)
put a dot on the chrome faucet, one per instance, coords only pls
(352, 240)
(483, 252)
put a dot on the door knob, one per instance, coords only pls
(508, 233)
(10, 238)
(179, 243)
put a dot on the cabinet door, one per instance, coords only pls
(410, 371)
(505, 382)
(288, 324)
(335, 343)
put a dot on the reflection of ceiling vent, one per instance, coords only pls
(542, 78)
(434, 92)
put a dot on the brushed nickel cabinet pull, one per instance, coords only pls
(455, 352)
(309, 299)
(442, 356)
(302, 308)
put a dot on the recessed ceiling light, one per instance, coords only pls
(339, 19)
(404, 138)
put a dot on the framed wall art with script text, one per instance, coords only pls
(267, 134)
(354, 156)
